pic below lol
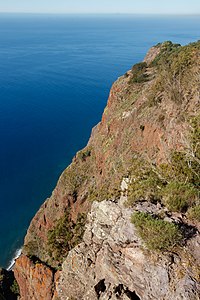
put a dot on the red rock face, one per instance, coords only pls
(36, 281)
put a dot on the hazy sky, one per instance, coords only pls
(102, 6)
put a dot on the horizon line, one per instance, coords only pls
(99, 13)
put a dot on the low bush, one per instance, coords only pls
(156, 233)
(175, 75)
(176, 184)
(103, 193)
(139, 74)
(194, 213)
(65, 236)
(145, 184)
(179, 196)
(167, 49)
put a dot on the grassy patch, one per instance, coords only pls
(105, 192)
(156, 233)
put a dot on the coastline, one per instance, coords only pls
(12, 262)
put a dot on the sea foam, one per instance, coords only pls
(12, 262)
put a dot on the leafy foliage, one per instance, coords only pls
(178, 196)
(156, 233)
(175, 184)
(139, 73)
(103, 193)
(65, 236)
(146, 184)
(180, 168)
(172, 81)
(167, 48)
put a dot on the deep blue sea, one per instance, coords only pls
(55, 76)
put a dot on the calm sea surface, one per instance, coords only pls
(55, 76)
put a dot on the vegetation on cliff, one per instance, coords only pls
(9, 288)
(176, 73)
(157, 233)
(64, 236)
(139, 73)
(175, 184)
(150, 133)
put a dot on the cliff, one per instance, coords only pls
(123, 220)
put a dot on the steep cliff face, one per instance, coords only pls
(151, 117)
(36, 280)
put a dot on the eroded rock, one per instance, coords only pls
(112, 263)
(35, 279)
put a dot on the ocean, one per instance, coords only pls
(55, 75)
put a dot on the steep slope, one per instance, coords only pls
(149, 134)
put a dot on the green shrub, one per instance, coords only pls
(175, 74)
(183, 168)
(65, 236)
(194, 213)
(15, 288)
(156, 233)
(145, 184)
(32, 247)
(167, 48)
(139, 73)
(103, 193)
(179, 196)
(176, 183)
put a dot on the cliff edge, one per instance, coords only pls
(123, 221)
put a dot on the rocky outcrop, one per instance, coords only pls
(147, 116)
(152, 53)
(113, 263)
(36, 280)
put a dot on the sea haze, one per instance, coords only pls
(55, 76)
